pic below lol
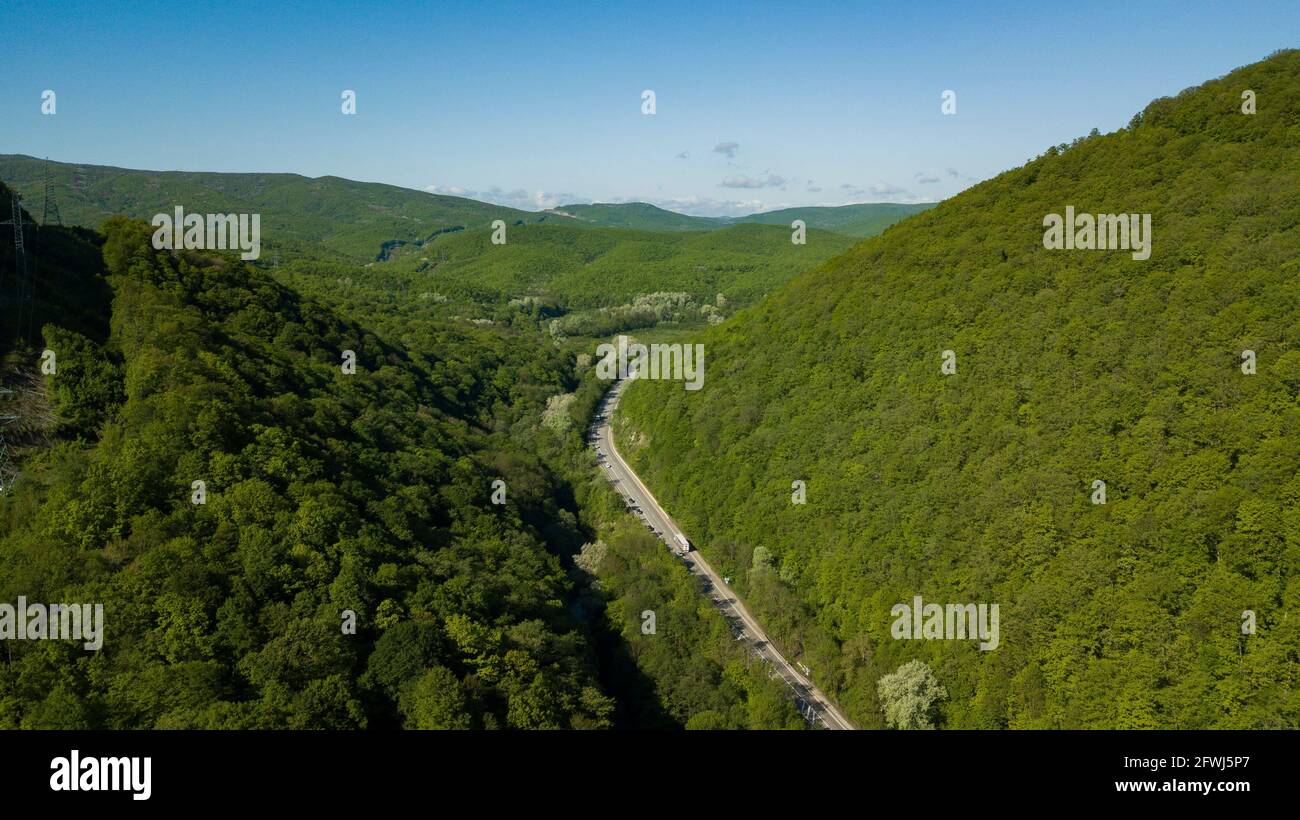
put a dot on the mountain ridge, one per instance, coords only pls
(300, 213)
(359, 221)
(859, 220)
(1071, 367)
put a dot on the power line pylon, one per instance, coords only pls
(23, 286)
(50, 209)
(16, 219)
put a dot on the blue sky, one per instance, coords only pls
(758, 106)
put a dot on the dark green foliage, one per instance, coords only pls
(89, 384)
(324, 492)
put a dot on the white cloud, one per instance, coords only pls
(450, 190)
(879, 189)
(879, 192)
(697, 205)
(728, 148)
(760, 181)
(518, 198)
(703, 206)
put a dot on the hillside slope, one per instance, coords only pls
(299, 214)
(595, 268)
(868, 219)
(1071, 367)
(640, 216)
(322, 493)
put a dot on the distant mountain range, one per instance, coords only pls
(861, 220)
(360, 220)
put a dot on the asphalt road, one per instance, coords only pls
(813, 703)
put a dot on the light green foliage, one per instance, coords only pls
(908, 696)
(557, 417)
(550, 269)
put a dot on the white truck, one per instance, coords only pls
(683, 543)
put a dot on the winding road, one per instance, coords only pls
(813, 703)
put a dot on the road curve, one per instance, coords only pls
(812, 702)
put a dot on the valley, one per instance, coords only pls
(334, 454)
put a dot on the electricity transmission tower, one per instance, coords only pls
(21, 302)
(50, 209)
(19, 305)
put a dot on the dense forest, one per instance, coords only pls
(1175, 381)
(605, 269)
(572, 269)
(325, 217)
(202, 460)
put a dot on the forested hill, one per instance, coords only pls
(318, 216)
(860, 220)
(322, 492)
(1071, 367)
(640, 216)
(586, 268)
